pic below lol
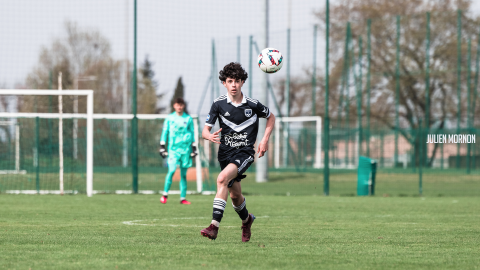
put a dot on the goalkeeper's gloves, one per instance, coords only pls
(194, 151)
(163, 152)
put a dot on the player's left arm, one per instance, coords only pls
(263, 145)
(264, 112)
(163, 139)
(192, 132)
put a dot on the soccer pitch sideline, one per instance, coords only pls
(290, 232)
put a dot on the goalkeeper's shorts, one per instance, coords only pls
(242, 160)
(182, 159)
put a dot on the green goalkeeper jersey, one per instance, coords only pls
(179, 131)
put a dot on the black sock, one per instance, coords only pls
(241, 210)
(218, 208)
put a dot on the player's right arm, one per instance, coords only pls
(213, 137)
(163, 139)
(211, 119)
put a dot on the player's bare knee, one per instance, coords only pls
(222, 180)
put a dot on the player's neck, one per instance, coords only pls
(179, 113)
(237, 99)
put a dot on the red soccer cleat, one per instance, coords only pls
(163, 199)
(210, 232)
(246, 233)
(185, 202)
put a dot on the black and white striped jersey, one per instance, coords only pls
(239, 124)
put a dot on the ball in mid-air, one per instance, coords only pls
(270, 60)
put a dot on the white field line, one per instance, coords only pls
(137, 222)
(146, 192)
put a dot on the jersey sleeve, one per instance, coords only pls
(262, 111)
(191, 129)
(166, 128)
(212, 115)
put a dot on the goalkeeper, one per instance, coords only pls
(178, 128)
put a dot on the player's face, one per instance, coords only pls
(234, 87)
(178, 107)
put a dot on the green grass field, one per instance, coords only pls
(390, 182)
(291, 232)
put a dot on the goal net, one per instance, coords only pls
(297, 142)
(10, 148)
(94, 154)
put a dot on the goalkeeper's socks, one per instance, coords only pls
(165, 194)
(242, 211)
(218, 208)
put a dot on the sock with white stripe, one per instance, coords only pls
(242, 210)
(218, 208)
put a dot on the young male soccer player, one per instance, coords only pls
(178, 128)
(238, 116)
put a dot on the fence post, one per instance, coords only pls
(427, 81)
(286, 129)
(469, 62)
(326, 126)
(420, 161)
(37, 154)
(347, 98)
(250, 60)
(134, 107)
(314, 71)
(359, 87)
(238, 49)
(459, 69)
(397, 92)
(369, 58)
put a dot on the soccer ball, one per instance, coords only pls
(270, 60)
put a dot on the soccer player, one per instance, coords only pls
(178, 128)
(238, 116)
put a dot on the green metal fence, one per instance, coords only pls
(394, 77)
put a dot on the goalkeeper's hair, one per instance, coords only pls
(234, 71)
(179, 100)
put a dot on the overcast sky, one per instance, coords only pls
(177, 35)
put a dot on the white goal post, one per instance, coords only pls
(318, 128)
(88, 116)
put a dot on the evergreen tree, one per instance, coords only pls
(147, 88)
(179, 91)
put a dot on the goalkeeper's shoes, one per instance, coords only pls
(246, 233)
(185, 202)
(210, 232)
(163, 199)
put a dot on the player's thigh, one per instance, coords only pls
(173, 160)
(185, 161)
(228, 173)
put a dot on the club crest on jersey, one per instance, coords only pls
(248, 112)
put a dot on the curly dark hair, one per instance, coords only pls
(234, 71)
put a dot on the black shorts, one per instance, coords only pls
(243, 161)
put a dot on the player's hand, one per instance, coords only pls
(262, 148)
(194, 152)
(214, 137)
(163, 153)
